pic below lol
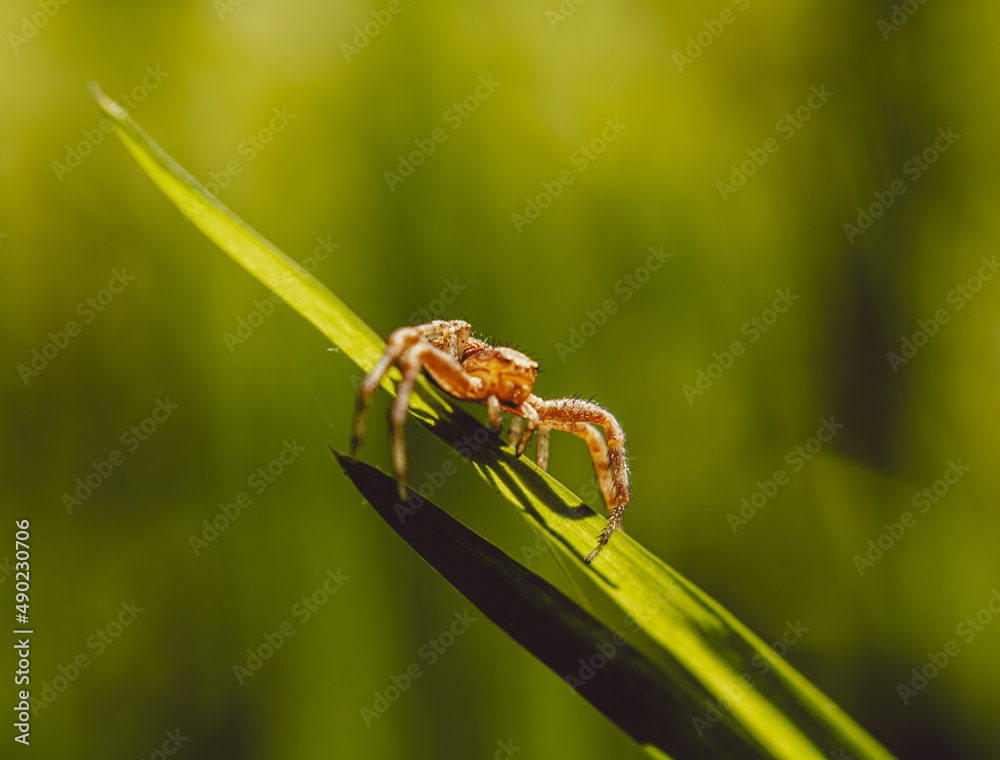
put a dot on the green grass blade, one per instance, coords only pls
(646, 700)
(297, 287)
(780, 711)
(687, 637)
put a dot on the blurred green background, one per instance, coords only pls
(722, 156)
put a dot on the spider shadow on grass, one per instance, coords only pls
(515, 475)
(524, 484)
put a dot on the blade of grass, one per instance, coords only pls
(296, 286)
(646, 700)
(780, 709)
(784, 710)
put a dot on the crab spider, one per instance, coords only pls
(501, 378)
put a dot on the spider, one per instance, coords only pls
(501, 378)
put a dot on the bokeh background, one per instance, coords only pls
(297, 115)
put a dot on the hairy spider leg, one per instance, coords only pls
(446, 372)
(573, 410)
(493, 407)
(450, 337)
(594, 440)
(577, 410)
(410, 365)
(542, 454)
(527, 411)
(598, 453)
(410, 346)
(397, 343)
(515, 431)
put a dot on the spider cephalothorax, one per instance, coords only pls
(501, 378)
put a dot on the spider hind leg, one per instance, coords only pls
(577, 416)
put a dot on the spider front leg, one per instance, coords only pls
(446, 372)
(410, 365)
(410, 346)
(398, 342)
(450, 337)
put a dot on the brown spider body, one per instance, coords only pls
(502, 379)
